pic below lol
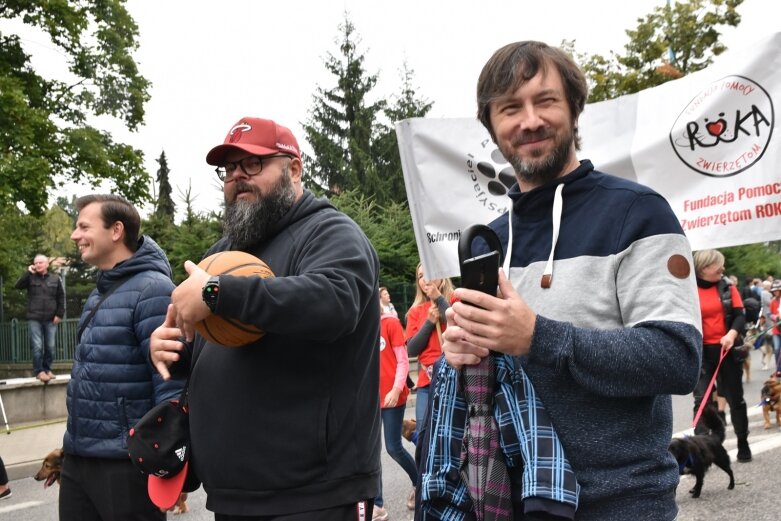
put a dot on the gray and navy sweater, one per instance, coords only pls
(617, 333)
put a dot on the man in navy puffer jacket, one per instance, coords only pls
(112, 383)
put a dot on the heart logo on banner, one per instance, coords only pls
(716, 127)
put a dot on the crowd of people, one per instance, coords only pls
(601, 313)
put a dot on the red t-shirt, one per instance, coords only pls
(416, 317)
(713, 321)
(391, 335)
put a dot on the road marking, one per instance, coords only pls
(20, 506)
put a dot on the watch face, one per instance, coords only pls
(211, 291)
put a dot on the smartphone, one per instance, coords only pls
(481, 273)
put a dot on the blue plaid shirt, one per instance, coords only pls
(542, 478)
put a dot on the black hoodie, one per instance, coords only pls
(291, 423)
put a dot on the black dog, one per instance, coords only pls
(695, 454)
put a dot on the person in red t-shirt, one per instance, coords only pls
(425, 324)
(775, 289)
(394, 367)
(723, 321)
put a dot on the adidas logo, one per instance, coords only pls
(180, 452)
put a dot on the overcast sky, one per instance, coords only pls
(212, 62)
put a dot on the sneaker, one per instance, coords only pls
(744, 452)
(411, 499)
(42, 376)
(408, 428)
(379, 514)
(51, 375)
(6, 494)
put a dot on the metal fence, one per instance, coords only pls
(15, 341)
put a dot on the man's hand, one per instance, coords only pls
(187, 300)
(164, 344)
(56, 320)
(31, 268)
(504, 324)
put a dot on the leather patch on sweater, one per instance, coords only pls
(678, 266)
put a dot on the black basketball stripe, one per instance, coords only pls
(242, 327)
(240, 266)
(215, 257)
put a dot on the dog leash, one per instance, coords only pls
(706, 396)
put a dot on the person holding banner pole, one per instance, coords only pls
(425, 323)
(596, 295)
(723, 324)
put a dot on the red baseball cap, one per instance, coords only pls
(164, 492)
(159, 446)
(260, 137)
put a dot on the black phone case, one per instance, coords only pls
(481, 273)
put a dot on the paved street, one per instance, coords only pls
(755, 497)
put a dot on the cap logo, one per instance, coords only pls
(291, 148)
(237, 130)
(180, 452)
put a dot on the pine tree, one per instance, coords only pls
(164, 207)
(343, 124)
(404, 106)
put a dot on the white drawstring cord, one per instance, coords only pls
(547, 274)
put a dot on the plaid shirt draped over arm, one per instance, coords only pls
(541, 477)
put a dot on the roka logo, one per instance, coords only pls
(236, 132)
(726, 128)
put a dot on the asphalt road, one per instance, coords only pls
(754, 498)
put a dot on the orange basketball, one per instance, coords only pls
(227, 331)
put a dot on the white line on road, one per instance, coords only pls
(20, 506)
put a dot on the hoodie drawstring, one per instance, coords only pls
(547, 274)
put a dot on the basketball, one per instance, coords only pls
(227, 331)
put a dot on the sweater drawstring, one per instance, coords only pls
(547, 274)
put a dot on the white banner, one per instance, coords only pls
(707, 142)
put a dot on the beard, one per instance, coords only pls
(249, 222)
(540, 169)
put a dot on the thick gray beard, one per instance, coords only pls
(247, 223)
(548, 168)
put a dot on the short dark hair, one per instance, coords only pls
(115, 208)
(515, 64)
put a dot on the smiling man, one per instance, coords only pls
(597, 298)
(285, 428)
(112, 384)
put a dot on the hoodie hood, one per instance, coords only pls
(148, 257)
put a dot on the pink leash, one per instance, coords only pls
(706, 396)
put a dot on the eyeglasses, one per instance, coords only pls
(250, 165)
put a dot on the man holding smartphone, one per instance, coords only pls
(597, 296)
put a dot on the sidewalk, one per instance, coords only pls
(25, 447)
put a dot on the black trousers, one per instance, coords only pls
(361, 511)
(3, 474)
(98, 489)
(730, 385)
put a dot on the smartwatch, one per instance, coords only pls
(211, 292)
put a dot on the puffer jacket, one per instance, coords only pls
(112, 383)
(45, 295)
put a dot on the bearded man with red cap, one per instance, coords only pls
(286, 427)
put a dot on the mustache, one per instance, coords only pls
(529, 136)
(242, 187)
